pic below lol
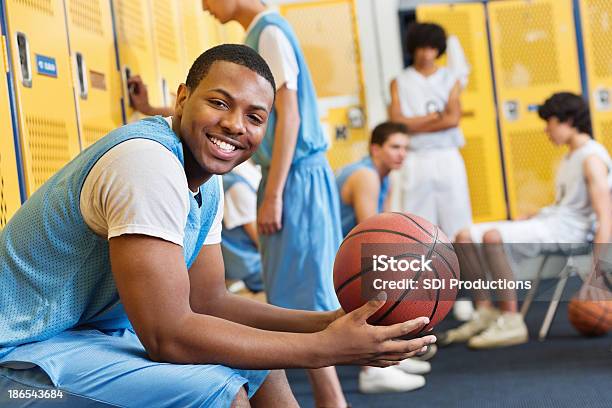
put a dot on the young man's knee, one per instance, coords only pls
(492, 237)
(241, 400)
(464, 236)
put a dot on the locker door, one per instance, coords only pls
(596, 18)
(200, 30)
(168, 49)
(231, 33)
(97, 79)
(534, 55)
(481, 151)
(328, 34)
(10, 200)
(43, 88)
(135, 45)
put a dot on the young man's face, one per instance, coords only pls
(425, 55)
(393, 152)
(558, 132)
(223, 120)
(222, 10)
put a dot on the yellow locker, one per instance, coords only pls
(97, 81)
(168, 48)
(200, 30)
(596, 18)
(43, 88)
(328, 35)
(135, 45)
(481, 152)
(10, 200)
(534, 55)
(231, 33)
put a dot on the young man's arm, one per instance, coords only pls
(364, 186)
(269, 215)
(156, 288)
(139, 96)
(596, 174)
(432, 122)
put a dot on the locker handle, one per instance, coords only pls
(129, 89)
(81, 75)
(165, 92)
(23, 48)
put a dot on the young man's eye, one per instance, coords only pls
(256, 119)
(218, 103)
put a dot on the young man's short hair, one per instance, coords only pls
(381, 133)
(422, 35)
(568, 108)
(235, 53)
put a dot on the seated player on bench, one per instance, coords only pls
(582, 196)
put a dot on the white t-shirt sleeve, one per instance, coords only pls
(125, 194)
(214, 234)
(240, 206)
(277, 51)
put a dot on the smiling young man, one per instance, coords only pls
(112, 276)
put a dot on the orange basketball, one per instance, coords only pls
(422, 254)
(590, 317)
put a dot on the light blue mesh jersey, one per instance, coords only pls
(347, 212)
(54, 270)
(311, 139)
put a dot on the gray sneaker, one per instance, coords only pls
(508, 330)
(481, 319)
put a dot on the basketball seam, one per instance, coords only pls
(449, 246)
(406, 291)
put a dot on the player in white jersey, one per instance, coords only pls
(582, 207)
(425, 97)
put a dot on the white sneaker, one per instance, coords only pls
(376, 380)
(508, 330)
(463, 309)
(414, 366)
(481, 319)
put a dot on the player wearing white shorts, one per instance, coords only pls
(582, 206)
(425, 97)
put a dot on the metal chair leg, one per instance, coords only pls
(554, 303)
(534, 289)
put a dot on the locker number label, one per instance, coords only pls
(46, 66)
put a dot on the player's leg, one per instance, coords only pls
(499, 265)
(274, 392)
(473, 269)
(417, 186)
(114, 369)
(241, 400)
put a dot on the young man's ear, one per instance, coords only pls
(374, 149)
(181, 96)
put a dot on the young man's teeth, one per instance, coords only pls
(224, 146)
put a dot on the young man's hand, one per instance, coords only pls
(269, 216)
(351, 340)
(139, 96)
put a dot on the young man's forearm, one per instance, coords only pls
(268, 317)
(286, 134)
(428, 123)
(202, 339)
